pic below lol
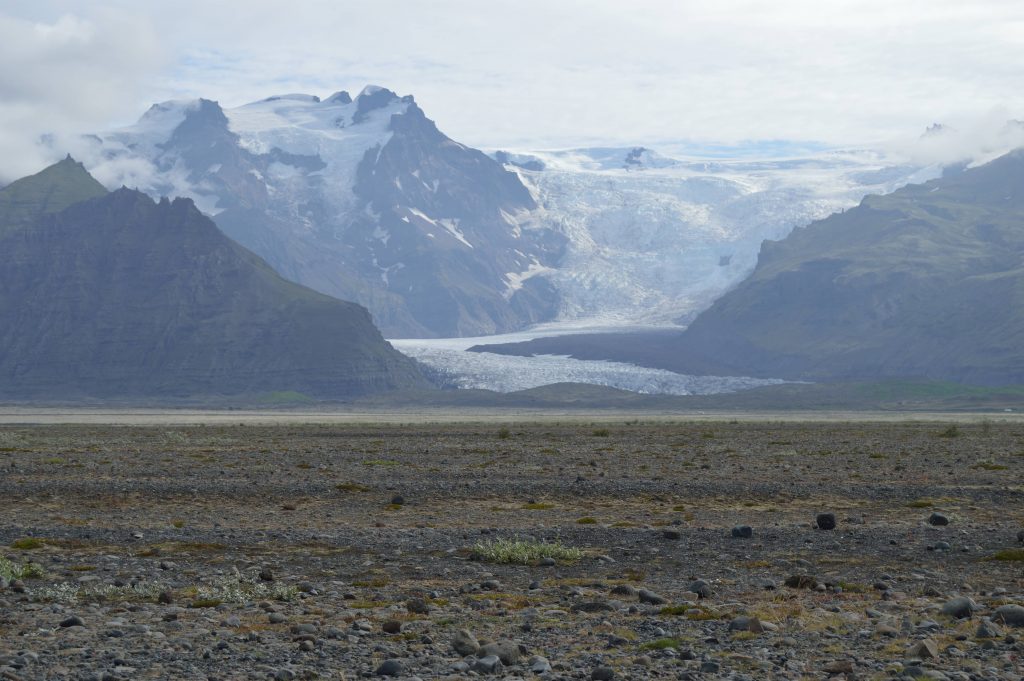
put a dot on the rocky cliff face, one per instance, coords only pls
(121, 296)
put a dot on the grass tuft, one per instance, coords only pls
(662, 644)
(1008, 555)
(27, 543)
(523, 552)
(10, 570)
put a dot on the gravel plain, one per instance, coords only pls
(681, 550)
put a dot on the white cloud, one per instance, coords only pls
(66, 76)
(555, 73)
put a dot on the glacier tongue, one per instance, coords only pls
(450, 358)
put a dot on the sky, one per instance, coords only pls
(526, 74)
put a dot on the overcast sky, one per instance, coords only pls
(526, 73)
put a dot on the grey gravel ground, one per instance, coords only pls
(344, 551)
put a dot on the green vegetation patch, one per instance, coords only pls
(662, 644)
(10, 570)
(1009, 555)
(523, 552)
(28, 543)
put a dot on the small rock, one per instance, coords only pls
(650, 597)
(671, 534)
(506, 650)
(924, 649)
(398, 500)
(624, 590)
(1011, 615)
(73, 621)
(838, 667)
(960, 608)
(826, 521)
(743, 623)
(266, 575)
(465, 643)
(539, 665)
(938, 519)
(701, 588)
(391, 627)
(390, 668)
(742, 532)
(987, 630)
(801, 582)
(488, 664)
(602, 674)
(417, 606)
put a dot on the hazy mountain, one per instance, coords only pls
(50, 191)
(366, 200)
(121, 296)
(925, 282)
(363, 199)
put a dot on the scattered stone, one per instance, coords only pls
(539, 665)
(959, 608)
(624, 590)
(701, 588)
(507, 651)
(937, 519)
(602, 674)
(742, 532)
(801, 582)
(924, 649)
(987, 630)
(390, 668)
(417, 606)
(650, 597)
(838, 667)
(593, 606)
(1010, 615)
(465, 643)
(826, 521)
(743, 623)
(488, 664)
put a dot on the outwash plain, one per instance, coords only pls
(558, 549)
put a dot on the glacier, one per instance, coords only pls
(449, 358)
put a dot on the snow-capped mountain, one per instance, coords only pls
(362, 199)
(366, 200)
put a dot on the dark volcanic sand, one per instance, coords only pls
(127, 513)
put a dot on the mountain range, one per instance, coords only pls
(115, 295)
(925, 282)
(364, 199)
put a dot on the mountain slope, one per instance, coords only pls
(49, 191)
(120, 296)
(363, 199)
(925, 282)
